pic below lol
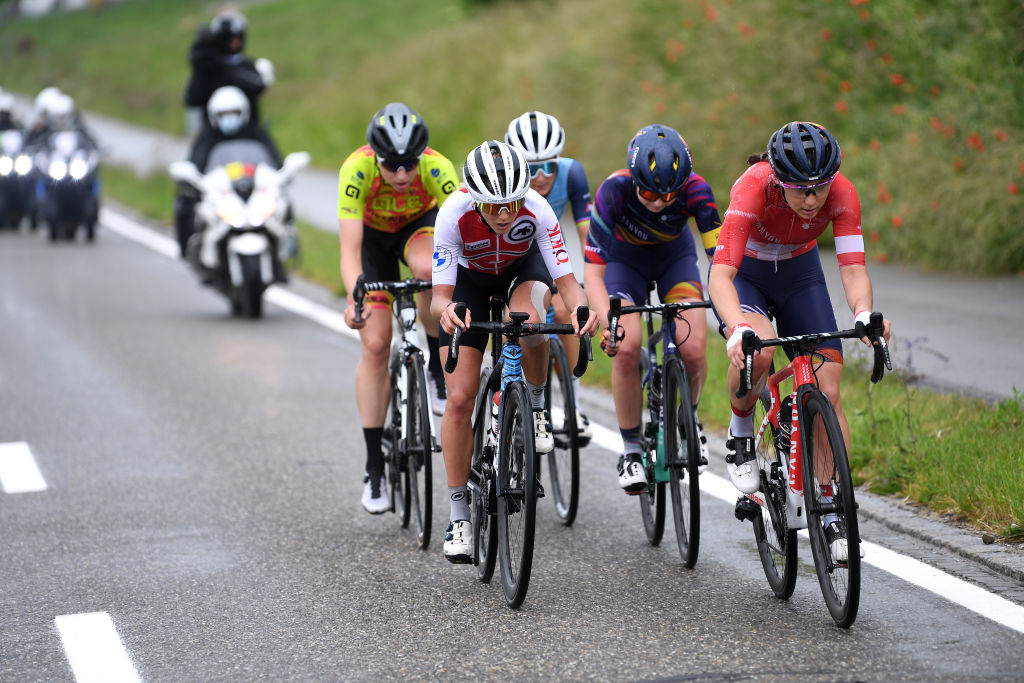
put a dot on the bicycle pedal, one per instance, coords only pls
(746, 509)
(540, 490)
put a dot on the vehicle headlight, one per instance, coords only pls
(58, 169)
(78, 169)
(6, 165)
(23, 164)
(231, 210)
(261, 207)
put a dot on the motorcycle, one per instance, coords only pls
(244, 225)
(68, 191)
(16, 191)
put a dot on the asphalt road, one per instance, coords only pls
(202, 483)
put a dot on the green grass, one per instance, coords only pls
(923, 94)
(960, 457)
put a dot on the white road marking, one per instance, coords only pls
(94, 649)
(18, 471)
(988, 605)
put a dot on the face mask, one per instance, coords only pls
(230, 123)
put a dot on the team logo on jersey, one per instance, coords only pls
(359, 174)
(352, 191)
(473, 246)
(435, 172)
(442, 259)
(448, 187)
(522, 231)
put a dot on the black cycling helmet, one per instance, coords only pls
(397, 132)
(658, 159)
(803, 152)
(227, 25)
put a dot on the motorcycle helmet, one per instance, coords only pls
(803, 152)
(228, 29)
(397, 134)
(228, 109)
(60, 111)
(42, 100)
(537, 135)
(496, 173)
(659, 159)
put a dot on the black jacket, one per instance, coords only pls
(214, 68)
(209, 137)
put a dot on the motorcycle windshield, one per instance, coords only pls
(65, 143)
(239, 151)
(11, 142)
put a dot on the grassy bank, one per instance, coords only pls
(923, 94)
(960, 457)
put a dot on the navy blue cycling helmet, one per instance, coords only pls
(658, 159)
(803, 152)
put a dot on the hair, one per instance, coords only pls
(756, 158)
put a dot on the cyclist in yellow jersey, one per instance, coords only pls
(388, 194)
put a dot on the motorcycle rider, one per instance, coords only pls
(229, 119)
(8, 121)
(217, 60)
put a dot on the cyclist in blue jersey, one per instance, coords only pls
(639, 233)
(563, 183)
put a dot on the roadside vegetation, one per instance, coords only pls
(923, 95)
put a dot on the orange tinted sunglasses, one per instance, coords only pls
(494, 209)
(655, 196)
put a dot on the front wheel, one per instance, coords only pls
(481, 505)
(418, 450)
(517, 493)
(682, 458)
(828, 495)
(250, 292)
(564, 458)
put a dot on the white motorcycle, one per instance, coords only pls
(244, 226)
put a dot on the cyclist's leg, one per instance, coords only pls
(417, 250)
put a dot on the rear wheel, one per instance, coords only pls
(776, 543)
(828, 495)
(682, 458)
(564, 458)
(652, 508)
(517, 499)
(419, 450)
(481, 505)
(250, 292)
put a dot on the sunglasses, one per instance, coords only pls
(495, 209)
(548, 168)
(396, 165)
(655, 196)
(808, 190)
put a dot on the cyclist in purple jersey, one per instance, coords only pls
(562, 182)
(639, 234)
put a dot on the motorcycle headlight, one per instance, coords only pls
(6, 165)
(261, 207)
(78, 168)
(58, 169)
(231, 210)
(23, 164)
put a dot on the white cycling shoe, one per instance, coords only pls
(458, 542)
(378, 504)
(543, 442)
(632, 478)
(741, 463)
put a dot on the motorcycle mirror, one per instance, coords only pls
(186, 172)
(293, 163)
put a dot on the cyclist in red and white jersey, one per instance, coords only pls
(766, 265)
(494, 236)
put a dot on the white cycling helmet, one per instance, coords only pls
(537, 135)
(495, 173)
(228, 109)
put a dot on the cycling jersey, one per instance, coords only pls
(363, 194)
(759, 223)
(619, 221)
(570, 186)
(462, 238)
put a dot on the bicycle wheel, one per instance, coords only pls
(826, 470)
(391, 450)
(419, 452)
(517, 499)
(652, 508)
(776, 544)
(564, 458)
(481, 505)
(682, 458)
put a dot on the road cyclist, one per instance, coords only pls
(494, 237)
(388, 194)
(639, 234)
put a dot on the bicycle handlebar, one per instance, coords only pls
(399, 287)
(617, 310)
(805, 343)
(358, 294)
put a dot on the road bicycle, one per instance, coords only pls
(805, 473)
(409, 439)
(505, 470)
(668, 436)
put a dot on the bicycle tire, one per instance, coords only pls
(652, 509)
(390, 446)
(776, 544)
(682, 458)
(564, 458)
(419, 452)
(823, 442)
(517, 502)
(485, 528)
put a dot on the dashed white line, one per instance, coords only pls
(956, 590)
(18, 470)
(94, 649)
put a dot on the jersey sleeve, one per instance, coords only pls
(846, 223)
(603, 214)
(354, 181)
(579, 194)
(746, 203)
(438, 175)
(447, 242)
(700, 203)
(550, 240)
